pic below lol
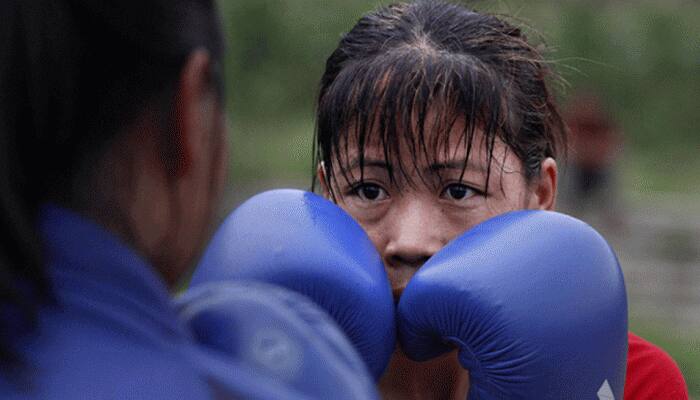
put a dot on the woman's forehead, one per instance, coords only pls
(431, 145)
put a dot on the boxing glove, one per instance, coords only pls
(535, 303)
(279, 343)
(305, 243)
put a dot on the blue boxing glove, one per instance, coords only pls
(278, 344)
(305, 243)
(535, 303)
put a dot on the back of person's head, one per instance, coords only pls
(74, 74)
(408, 62)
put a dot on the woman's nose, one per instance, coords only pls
(415, 234)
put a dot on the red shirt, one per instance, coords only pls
(651, 373)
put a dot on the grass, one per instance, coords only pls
(674, 170)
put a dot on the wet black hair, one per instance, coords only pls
(73, 74)
(433, 63)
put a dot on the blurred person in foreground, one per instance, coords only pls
(113, 149)
(431, 119)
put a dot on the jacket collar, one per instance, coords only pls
(91, 270)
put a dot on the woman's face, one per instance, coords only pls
(408, 220)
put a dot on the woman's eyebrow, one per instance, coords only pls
(369, 162)
(456, 164)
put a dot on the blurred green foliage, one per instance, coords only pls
(643, 57)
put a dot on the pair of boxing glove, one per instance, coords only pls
(533, 300)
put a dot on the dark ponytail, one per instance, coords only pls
(73, 73)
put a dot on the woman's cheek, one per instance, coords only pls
(364, 212)
(458, 220)
(371, 222)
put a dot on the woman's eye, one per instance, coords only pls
(370, 192)
(458, 191)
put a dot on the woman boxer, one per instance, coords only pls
(432, 118)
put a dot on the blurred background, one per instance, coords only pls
(630, 92)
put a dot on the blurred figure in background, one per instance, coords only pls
(590, 190)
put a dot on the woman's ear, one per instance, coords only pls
(194, 111)
(545, 190)
(321, 176)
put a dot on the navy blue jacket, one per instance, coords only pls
(113, 332)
